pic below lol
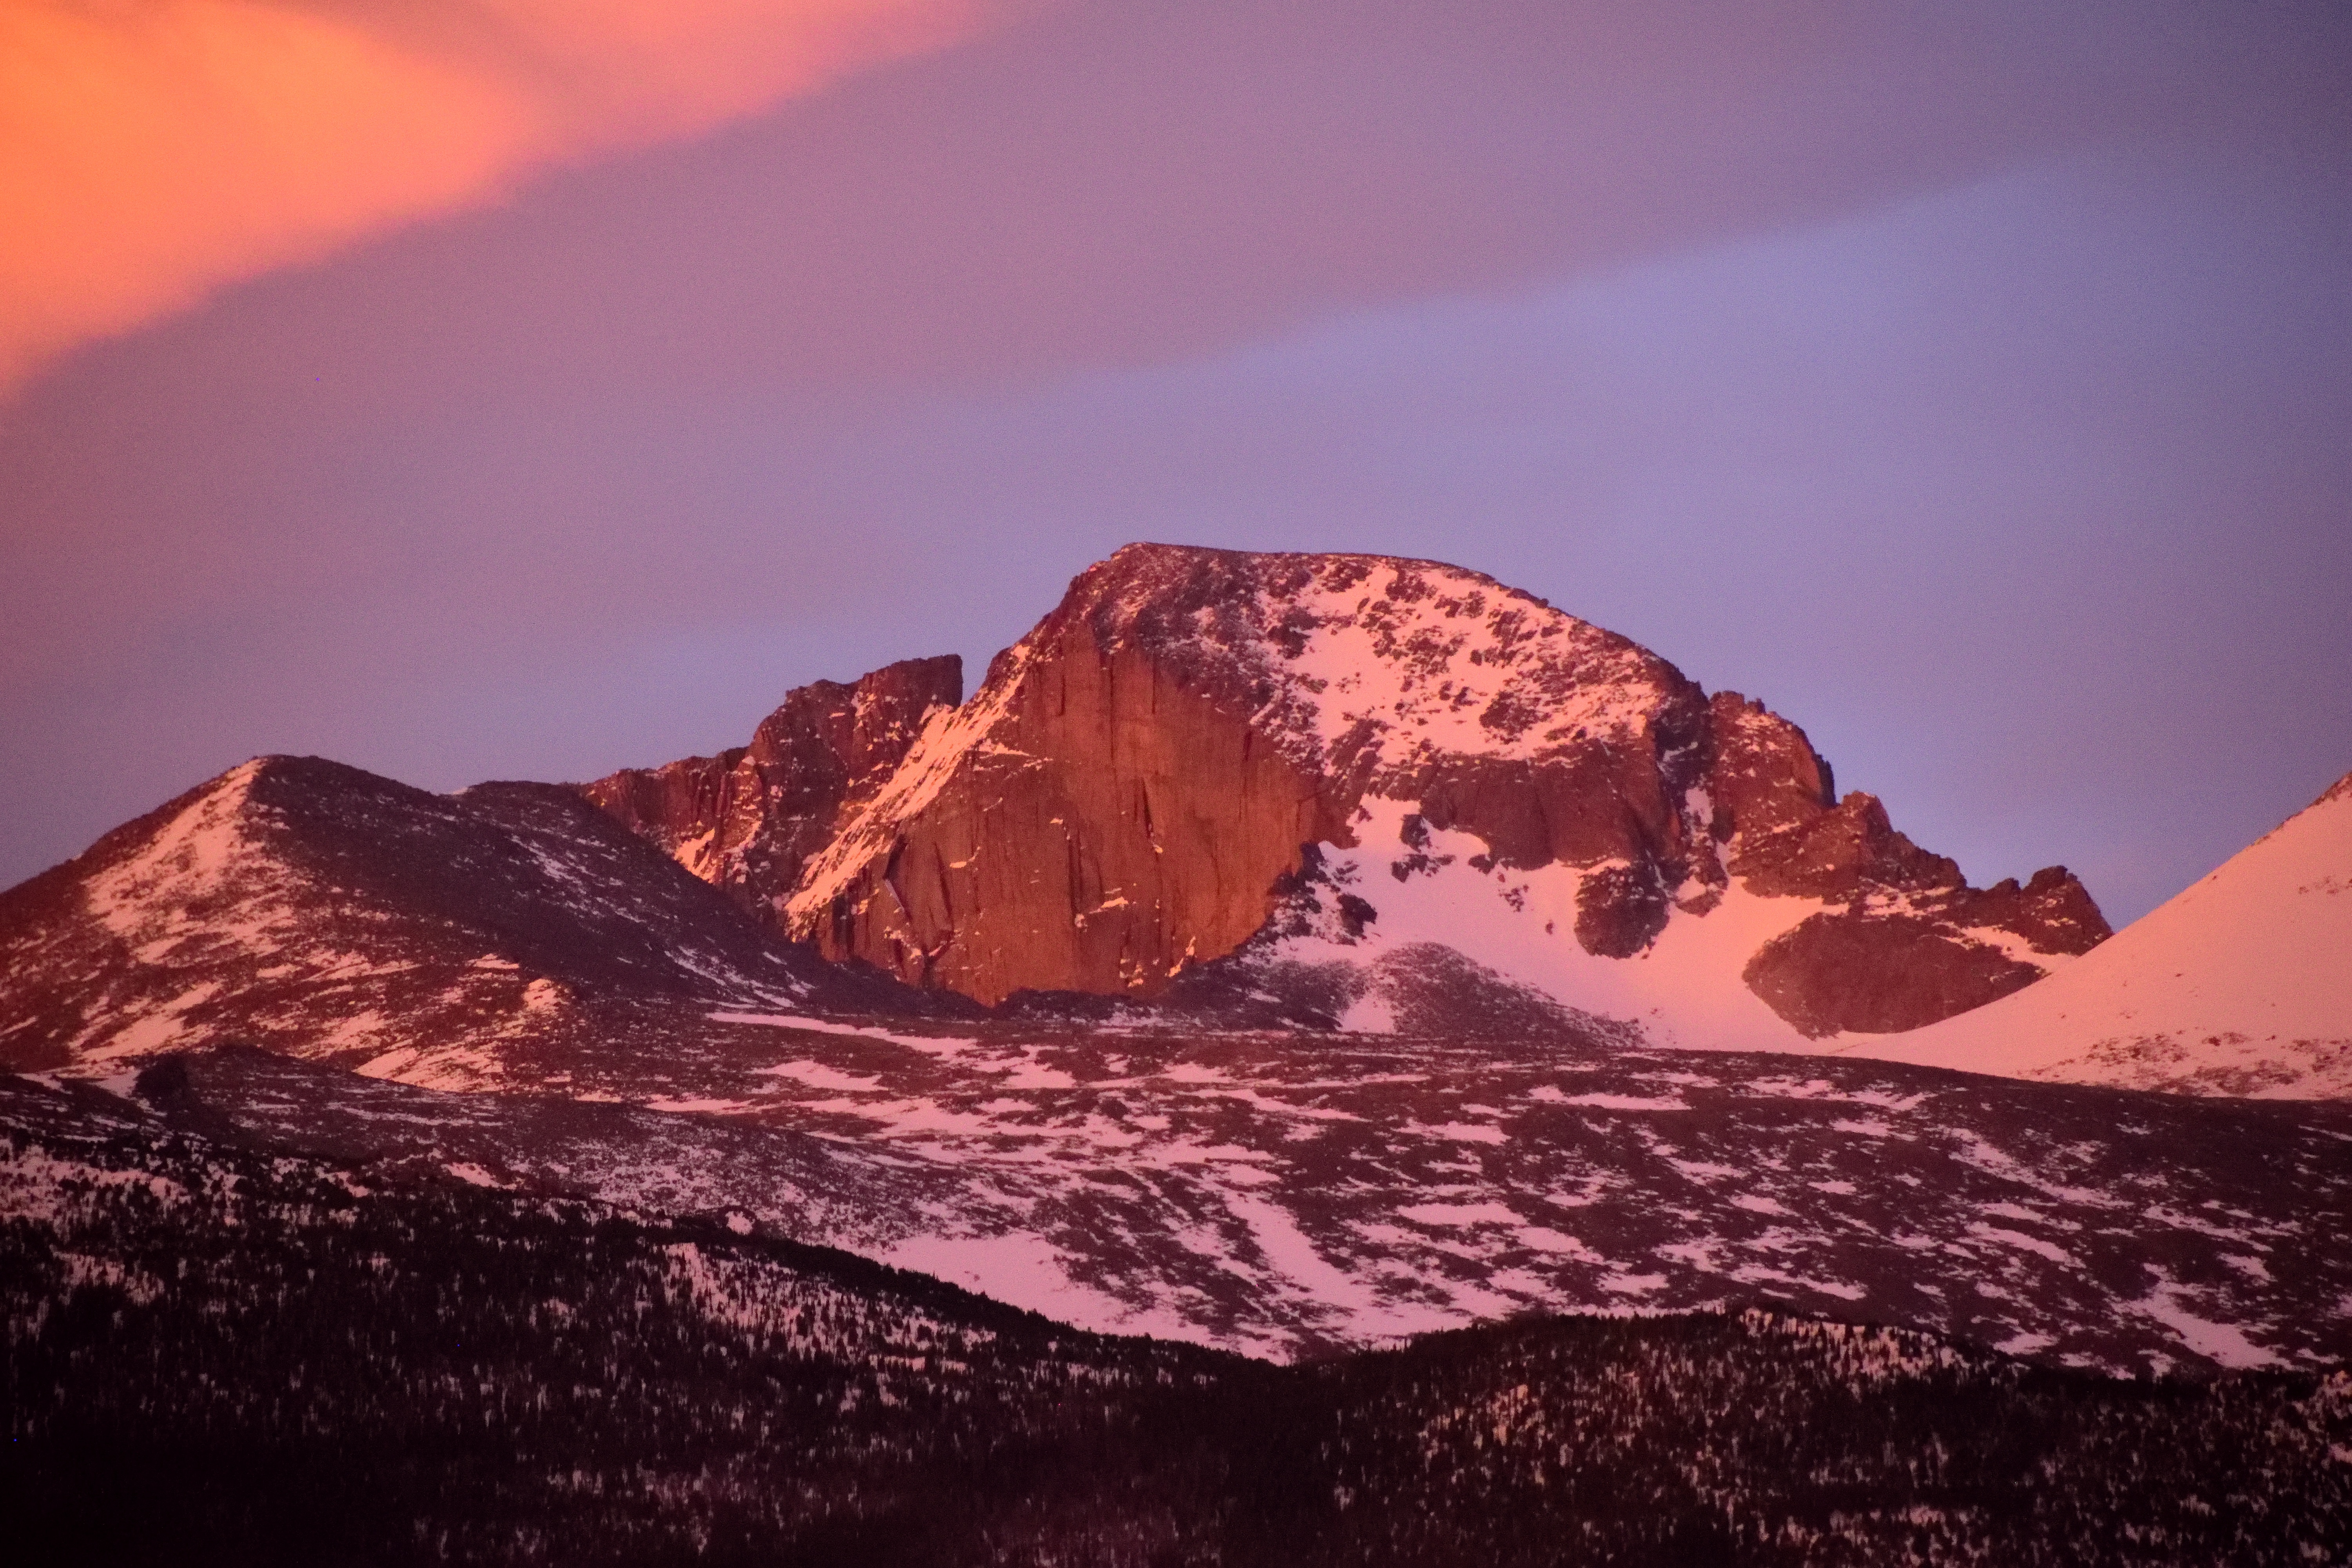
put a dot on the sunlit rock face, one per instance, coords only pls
(748, 820)
(1102, 829)
(1130, 790)
(1120, 800)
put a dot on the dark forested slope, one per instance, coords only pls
(217, 1354)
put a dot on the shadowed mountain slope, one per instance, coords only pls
(344, 916)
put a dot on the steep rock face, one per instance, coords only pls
(749, 818)
(1187, 719)
(1121, 798)
(1105, 828)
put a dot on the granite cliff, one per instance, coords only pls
(748, 820)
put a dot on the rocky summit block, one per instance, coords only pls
(1135, 790)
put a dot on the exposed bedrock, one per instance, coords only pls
(1839, 852)
(1111, 828)
(2053, 913)
(748, 820)
(1878, 974)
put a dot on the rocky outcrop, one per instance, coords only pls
(1878, 974)
(748, 820)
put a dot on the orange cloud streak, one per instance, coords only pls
(152, 151)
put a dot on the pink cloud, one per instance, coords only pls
(152, 151)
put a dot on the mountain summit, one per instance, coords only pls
(1326, 764)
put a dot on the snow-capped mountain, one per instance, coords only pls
(2241, 984)
(1279, 953)
(1338, 766)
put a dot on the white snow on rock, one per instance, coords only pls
(1434, 657)
(2240, 985)
(1684, 991)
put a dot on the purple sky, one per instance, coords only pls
(1972, 384)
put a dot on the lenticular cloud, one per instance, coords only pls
(151, 152)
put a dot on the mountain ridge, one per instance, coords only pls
(359, 919)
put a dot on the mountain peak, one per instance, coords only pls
(1316, 776)
(1140, 774)
(303, 902)
(1373, 656)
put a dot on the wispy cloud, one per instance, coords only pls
(154, 149)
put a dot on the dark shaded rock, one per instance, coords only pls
(1838, 853)
(1763, 776)
(2054, 912)
(1878, 974)
(1620, 911)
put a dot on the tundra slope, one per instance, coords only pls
(1238, 1192)
(212, 1354)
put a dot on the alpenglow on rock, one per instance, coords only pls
(748, 820)
(1287, 760)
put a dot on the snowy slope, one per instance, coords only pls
(1684, 990)
(332, 913)
(2243, 985)
(1248, 1192)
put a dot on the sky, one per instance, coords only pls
(524, 389)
